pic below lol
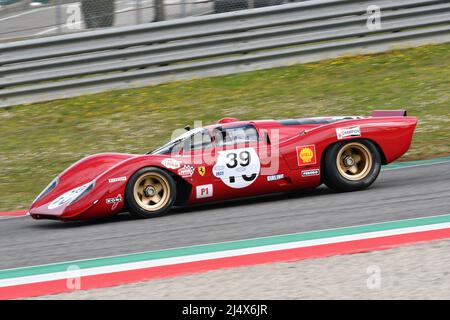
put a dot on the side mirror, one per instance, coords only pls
(187, 128)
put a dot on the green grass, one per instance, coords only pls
(38, 141)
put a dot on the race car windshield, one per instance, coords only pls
(235, 135)
(197, 138)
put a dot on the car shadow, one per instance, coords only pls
(124, 216)
(297, 194)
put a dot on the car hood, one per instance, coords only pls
(82, 172)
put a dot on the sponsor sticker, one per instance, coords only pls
(171, 163)
(309, 173)
(237, 168)
(275, 177)
(306, 155)
(201, 170)
(342, 133)
(204, 191)
(187, 171)
(112, 180)
(114, 201)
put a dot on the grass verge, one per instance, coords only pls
(38, 141)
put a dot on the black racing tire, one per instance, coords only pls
(150, 193)
(341, 175)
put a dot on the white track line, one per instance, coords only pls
(46, 31)
(416, 165)
(24, 13)
(10, 217)
(125, 9)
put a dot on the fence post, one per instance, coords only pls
(183, 8)
(58, 13)
(138, 12)
(159, 10)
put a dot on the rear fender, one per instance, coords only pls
(392, 135)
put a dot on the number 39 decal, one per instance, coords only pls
(237, 168)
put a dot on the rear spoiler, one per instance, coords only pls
(389, 113)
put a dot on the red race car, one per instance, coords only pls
(230, 159)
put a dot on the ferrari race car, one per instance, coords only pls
(230, 159)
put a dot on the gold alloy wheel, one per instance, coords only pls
(151, 191)
(354, 161)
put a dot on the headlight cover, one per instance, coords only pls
(52, 185)
(72, 196)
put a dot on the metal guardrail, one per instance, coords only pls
(70, 65)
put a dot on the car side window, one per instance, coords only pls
(199, 141)
(235, 135)
(192, 140)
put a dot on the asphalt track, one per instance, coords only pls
(397, 194)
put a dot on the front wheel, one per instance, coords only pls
(351, 165)
(150, 192)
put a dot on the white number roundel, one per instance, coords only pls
(237, 168)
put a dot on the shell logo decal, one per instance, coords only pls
(306, 155)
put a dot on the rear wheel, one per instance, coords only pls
(150, 193)
(351, 165)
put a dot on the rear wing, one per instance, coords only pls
(389, 113)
